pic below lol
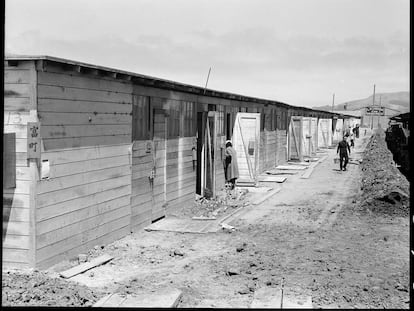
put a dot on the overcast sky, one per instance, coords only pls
(296, 51)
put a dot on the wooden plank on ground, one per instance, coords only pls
(245, 183)
(299, 163)
(291, 167)
(311, 168)
(296, 302)
(309, 171)
(164, 298)
(86, 266)
(265, 197)
(256, 189)
(267, 297)
(272, 179)
(280, 172)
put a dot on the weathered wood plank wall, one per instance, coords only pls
(175, 181)
(281, 147)
(98, 188)
(86, 134)
(262, 150)
(268, 149)
(219, 162)
(19, 104)
(180, 173)
(141, 194)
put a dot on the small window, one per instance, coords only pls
(187, 119)
(220, 120)
(140, 118)
(174, 119)
(262, 120)
(268, 119)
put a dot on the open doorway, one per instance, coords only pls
(206, 142)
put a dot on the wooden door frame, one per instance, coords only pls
(160, 111)
(253, 172)
(298, 144)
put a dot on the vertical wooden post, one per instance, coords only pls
(373, 102)
(34, 165)
(34, 173)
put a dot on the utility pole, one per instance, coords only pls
(333, 101)
(207, 80)
(378, 114)
(373, 102)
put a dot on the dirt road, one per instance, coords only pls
(312, 233)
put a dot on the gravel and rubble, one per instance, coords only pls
(37, 288)
(384, 188)
(223, 204)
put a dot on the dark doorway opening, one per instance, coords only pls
(201, 123)
(228, 126)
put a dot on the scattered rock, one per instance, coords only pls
(82, 258)
(177, 252)
(241, 247)
(244, 291)
(233, 271)
(227, 227)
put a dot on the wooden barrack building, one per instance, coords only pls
(92, 154)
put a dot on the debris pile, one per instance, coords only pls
(385, 189)
(40, 289)
(212, 208)
(225, 201)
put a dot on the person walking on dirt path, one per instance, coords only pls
(343, 148)
(355, 130)
(231, 169)
(351, 139)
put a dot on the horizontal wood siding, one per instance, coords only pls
(86, 135)
(262, 151)
(19, 105)
(78, 111)
(141, 195)
(281, 147)
(181, 177)
(78, 207)
(270, 149)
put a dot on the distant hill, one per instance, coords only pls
(398, 101)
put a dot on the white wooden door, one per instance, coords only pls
(246, 139)
(306, 136)
(323, 133)
(329, 132)
(295, 144)
(159, 152)
(337, 135)
(314, 133)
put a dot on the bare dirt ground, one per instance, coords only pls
(323, 235)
